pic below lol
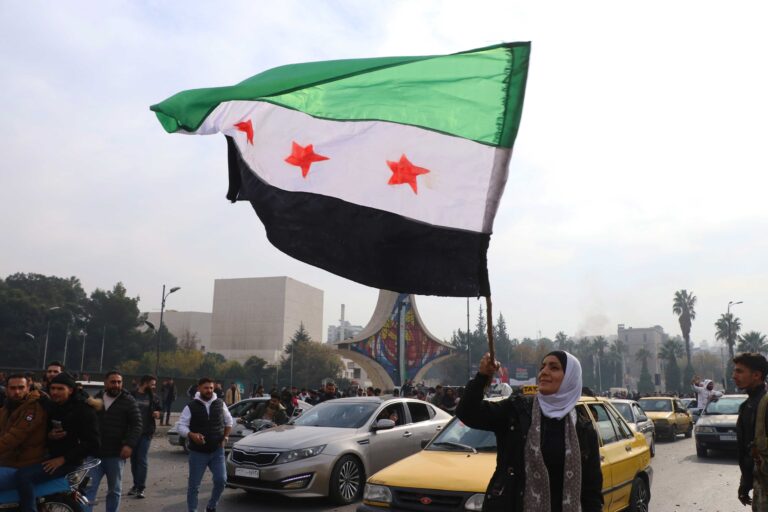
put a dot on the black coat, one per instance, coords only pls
(745, 436)
(148, 404)
(120, 425)
(510, 419)
(78, 420)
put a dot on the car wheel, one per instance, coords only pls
(701, 451)
(640, 497)
(347, 480)
(689, 432)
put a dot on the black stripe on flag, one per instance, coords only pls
(367, 245)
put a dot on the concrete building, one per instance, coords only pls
(185, 325)
(258, 316)
(635, 339)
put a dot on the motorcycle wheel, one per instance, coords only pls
(60, 503)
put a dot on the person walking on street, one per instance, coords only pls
(548, 459)
(169, 393)
(149, 406)
(749, 372)
(73, 435)
(206, 422)
(120, 427)
(232, 396)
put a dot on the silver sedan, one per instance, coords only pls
(638, 420)
(330, 450)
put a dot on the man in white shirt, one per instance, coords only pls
(206, 422)
(705, 391)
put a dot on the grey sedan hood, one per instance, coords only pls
(288, 437)
(717, 420)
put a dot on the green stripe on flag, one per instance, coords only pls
(477, 95)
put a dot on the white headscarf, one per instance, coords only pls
(559, 404)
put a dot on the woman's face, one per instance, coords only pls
(550, 375)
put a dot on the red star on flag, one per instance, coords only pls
(247, 127)
(304, 157)
(405, 172)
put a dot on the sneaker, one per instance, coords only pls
(132, 492)
(140, 494)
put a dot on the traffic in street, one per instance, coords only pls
(680, 477)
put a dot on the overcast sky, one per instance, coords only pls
(640, 167)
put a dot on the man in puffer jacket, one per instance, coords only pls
(120, 426)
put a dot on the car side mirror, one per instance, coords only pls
(384, 425)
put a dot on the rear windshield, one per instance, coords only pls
(650, 405)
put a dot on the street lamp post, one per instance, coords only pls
(70, 323)
(101, 359)
(160, 330)
(84, 332)
(31, 337)
(728, 319)
(469, 349)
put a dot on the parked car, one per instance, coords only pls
(638, 420)
(716, 429)
(669, 416)
(91, 387)
(454, 469)
(237, 410)
(329, 450)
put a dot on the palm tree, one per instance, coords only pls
(645, 384)
(599, 345)
(670, 351)
(753, 341)
(727, 327)
(561, 339)
(683, 305)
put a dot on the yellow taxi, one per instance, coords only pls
(669, 416)
(452, 472)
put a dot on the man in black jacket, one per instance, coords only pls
(749, 371)
(149, 406)
(206, 422)
(120, 427)
(73, 435)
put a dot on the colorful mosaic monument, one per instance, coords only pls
(395, 346)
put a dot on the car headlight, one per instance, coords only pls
(705, 430)
(377, 493)
(475, 502)
(303, 453)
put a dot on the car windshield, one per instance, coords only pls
(338, 414)
(661, 405)
(459, 437)
(625, 410)
(725, 406)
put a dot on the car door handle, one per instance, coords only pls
(407, 434)
(628, 448)
(439, 428)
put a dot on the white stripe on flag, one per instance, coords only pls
(453, 194)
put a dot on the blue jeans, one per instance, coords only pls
(139, 463)
(28, 477)
(112, 468)
(7, 478)
(198, 461)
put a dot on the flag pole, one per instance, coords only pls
(489, 312)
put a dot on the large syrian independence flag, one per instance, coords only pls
(387, 171)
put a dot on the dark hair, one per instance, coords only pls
(274, 395)
(147, 378)
(754, 361)
(17, 376)
(55, 363)
(111, 373)
(560, 355)
(204, 380)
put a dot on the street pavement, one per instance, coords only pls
(682, 482)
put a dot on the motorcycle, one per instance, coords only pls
(64, 494)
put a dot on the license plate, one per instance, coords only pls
(729, 437)
(246, 472)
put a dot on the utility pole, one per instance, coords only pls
(101, 360)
